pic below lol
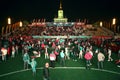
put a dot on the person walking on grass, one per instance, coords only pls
(101, 58)
(46, 52)
(52, 59)
(4, 53)
(16, 49)
(33, 65)
(88, 57)
(46, 72)
(109, 55)
(13, 51)
(80, 52)
(26, 60)
(66, 53)
(62, 58)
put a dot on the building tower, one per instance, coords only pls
(60, 17)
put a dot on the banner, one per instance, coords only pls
(86, 37)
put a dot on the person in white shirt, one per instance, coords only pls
(101, 58)
(13, 52)
(66, 53)
(4, 53)
(46, 52)
(109, 55)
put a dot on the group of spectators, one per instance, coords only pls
(55, 50)
(50, 31)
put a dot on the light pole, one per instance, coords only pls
(114, 24)
(101, 23)
(8, 25)
(9, 21)
(20, 24)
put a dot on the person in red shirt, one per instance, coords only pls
(43, 46)
(8, 51)
(88, 57)
(52, 59)
(4, 53)
(117, 62)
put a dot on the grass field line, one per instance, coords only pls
(14, 72)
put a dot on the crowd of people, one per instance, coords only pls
(61, 31)
(50, 31)
(56, 50)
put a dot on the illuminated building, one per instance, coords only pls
(60, 15)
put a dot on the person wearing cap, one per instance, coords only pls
(46, 74)
(33, 65)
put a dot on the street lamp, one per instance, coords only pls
(113, 21)
(8, 27)
(101, 24)
(114, 24)
(21, 24)
(9, 21)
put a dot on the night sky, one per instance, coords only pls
(73, 9)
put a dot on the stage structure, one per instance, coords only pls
(60, 18)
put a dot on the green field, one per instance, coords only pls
(12, 69)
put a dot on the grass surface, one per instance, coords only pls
(16, 64)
